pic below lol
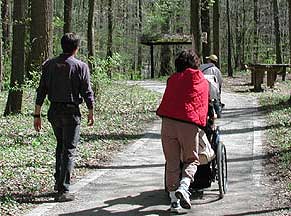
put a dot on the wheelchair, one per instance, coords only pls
(215, 170)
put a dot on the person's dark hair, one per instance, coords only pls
(70, 42)
(187, 59)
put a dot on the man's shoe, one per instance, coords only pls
(175, 207)
(64, 197)
(184, 197)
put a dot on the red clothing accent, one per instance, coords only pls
(186, 97)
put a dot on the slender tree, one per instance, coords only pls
(14, 100)
(5, 15)
(229, 51)
(90, 33)
(1, 55)
(110, 34)
(139, 48)
(165, 51)
(277, 32)
(289, 13)
(205, 26)
(68, 11)
(216, 30)
(256, 32)
(195, 25)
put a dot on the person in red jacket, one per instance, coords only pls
(183, 109)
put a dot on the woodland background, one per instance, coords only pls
(238, 31)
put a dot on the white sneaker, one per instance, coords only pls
(175, 207)
(184, 197)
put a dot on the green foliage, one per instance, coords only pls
(278, 116)
(27, 157)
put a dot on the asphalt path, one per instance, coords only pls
(133, 184)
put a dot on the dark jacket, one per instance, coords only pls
(65, 79)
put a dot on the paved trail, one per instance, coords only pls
(133, 183)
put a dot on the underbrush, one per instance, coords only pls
(27, 157)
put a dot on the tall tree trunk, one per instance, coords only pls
(90, 34)
(1, 54)
(110, 33)
(68, 10)
(195, 24)
(5, 15)
(14, 100)
(139, 48)
(277, 32)
(229, 52)
(205, 25)
(289, 13)
(216, 29)
(41, 32)
(256, 32)
(243, 32)
(165, 51)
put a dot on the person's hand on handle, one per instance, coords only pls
(90, 117)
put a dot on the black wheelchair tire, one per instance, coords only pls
(221, 169)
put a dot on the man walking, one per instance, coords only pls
(66, 82)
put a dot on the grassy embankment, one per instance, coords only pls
(27, 157)
(277, 107)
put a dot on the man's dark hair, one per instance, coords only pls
(187, 59)
(70, 42)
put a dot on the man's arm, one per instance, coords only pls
(87, 94)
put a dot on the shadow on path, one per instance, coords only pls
(260, 212)
(137, 205)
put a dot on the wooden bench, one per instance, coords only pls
(259, 70)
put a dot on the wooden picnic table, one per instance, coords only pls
(259, 70)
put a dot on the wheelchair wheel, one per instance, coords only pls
(221, 161)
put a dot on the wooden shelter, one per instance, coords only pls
(163, 40)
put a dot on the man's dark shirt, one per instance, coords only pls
(65, 79)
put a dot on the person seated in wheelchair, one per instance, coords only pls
(203, 177)
(213, 75)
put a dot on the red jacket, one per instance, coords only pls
(186, 97)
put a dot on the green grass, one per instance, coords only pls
(278, 113)
(27, 157)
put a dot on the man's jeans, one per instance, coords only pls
(65, 121)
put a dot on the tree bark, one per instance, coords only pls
(289, 13)
(1, 54)
(14, 100)
(5, 15)
(90, 34)
(110, 34)
(229, 52)
(165, 51)
(216, 28)
(41, 32)
(139, 48)
(68, 10)
(195, 25)
(277, 32)
(205, 25)
(256, 32)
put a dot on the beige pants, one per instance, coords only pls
(180, 142)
